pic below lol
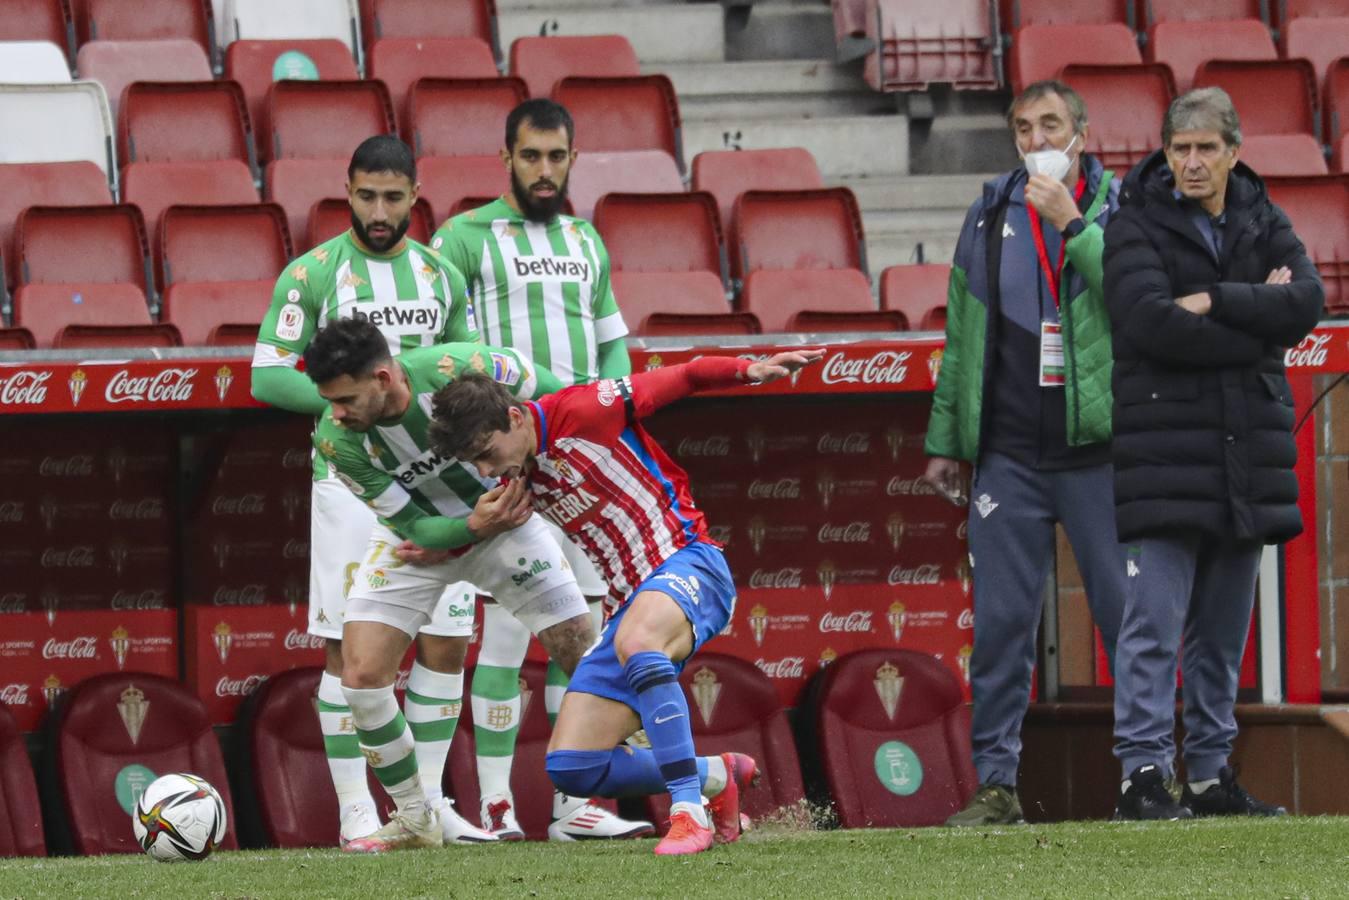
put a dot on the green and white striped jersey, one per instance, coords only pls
(540, 289)
(415, 297)
(392, 467)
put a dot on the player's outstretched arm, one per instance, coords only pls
(781, 365)
(659, 387)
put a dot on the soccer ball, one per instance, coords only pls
(179, 818)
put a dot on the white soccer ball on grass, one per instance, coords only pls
(179, 818)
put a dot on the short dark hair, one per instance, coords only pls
(1077, 107)
(383, 153)
(542, 114)
(465, 412)
(346, 347)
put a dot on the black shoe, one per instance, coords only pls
(1148, 799)
(1227, 798)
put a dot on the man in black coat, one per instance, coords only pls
(1206, 285)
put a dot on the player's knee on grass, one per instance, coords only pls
(442, 654)
(566, 642)
(578, 773)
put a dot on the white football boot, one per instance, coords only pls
(402, 832)
(498, 818)
(577, 819)
(357, 822)
(458, 830)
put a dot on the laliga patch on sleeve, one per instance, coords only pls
(505, 369)
(290, 323)
(352, 484)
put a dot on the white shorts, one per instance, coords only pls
(524, 569)
(339, 539)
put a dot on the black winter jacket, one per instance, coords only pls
(1203, 414)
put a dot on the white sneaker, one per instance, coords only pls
(357, 822)
(498, 818)
(403, 832)
(457, 829)
(581, 820)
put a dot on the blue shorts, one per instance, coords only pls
(698, 579)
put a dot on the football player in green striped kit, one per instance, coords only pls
(540, 283)
(416, 299)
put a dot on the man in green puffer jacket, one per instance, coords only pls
(1024, 395)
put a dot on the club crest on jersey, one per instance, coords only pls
(606, 392)
(551, 269)
(401, 316)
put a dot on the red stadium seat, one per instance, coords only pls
(208, 313)
(400, 62)
(1320, 41)
(90, 336)
(256, 64)
(460, 116)
(20, 811)
(1290, 10)
(183, 122)
(532, 789)
(1283, 154)
(893, 732)
(735, 707)
(117, 64)
(448, 180)
(1342, 153)
(776, 296)
(727, 174)
(84, 244)
(297, 184)
(648, 300)
(1020, 13)
(1184, 46)
(331, 216)
(678, 232)
(1126, 105)
(156, 186)
(117, 20)
(465, 204)
(1040, 51)
(631, 172)
(1319, 210)
(685, 324)
(635, 113)
(109, 722)
(925, 43)
(1275, 96)
(821, 321)
(45, 309)
(917, 291)
(429, 19)
(819, 229)
(543, 61)
(44, 184)
(38, 20)
(316, 119)
(1208, 11)
(16, 339)
(310, 19)
(1337, 100)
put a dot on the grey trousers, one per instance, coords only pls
(1195, 593)
(1013, 509)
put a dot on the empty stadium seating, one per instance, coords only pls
(460, 116)
(1210, 10)
(184, 122)
(16, 339)
(38, 20)
(1184, 46)
(819, 229)
(400, 62)
(429, 19)
(679, 232)
(735, 707)
(1125, 106)
(918, 291)
(116, 64)
(47, 309)
(57, 123)
(1319, 210)
(921, 44)
(85, 336)
(656, 303)
(1320, 41)
(1040, 51)
(117, 20)
(1020, 13)
(893, 736)
(108, 722)
(1341, 150)
(726, 174)
(634, 113)
(842, 296)
(543, 61)
(297, 184)
(1283, 154)
(44, 184)
(156, 186)
(79, 244)
(1295, 9)
(20, 812)
(256, 64)
(331, 216)
(641, 171)
(316, 119)
(1337, 100)
(1276, 96)
(268, 19)
(33, 62)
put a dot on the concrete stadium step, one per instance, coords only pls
(847, 145)
(659, 32)
(780, 29)
(914, 192)
(890, 221)
(770, 89)
(899, 248)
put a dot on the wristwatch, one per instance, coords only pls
(1073, 228)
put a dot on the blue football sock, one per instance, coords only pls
(622, 772)
(665, 716)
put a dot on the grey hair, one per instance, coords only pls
(1203, 109)
(1077, 107)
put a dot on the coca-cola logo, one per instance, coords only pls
(885, 367)
(853, 443)
(712, 445)
(966, 619)
(146, 599)
(1310, 353)
(14, 695)
(852, 533)
(13, 602)
(782, 489)
(855, 622)
(24, 388)
(165, 386)
(80, 556)
(787, 667)
(909, 487)
(75, 648)
(295, 549)
(295, 459)
(302, 640)
(247, 595)
(11, 512)
(928, 573)
(238, 687)
(244, 505)
(780, 578)
(81, 465)
(143, 510)
(720, 533)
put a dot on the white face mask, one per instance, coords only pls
(1054, 163)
